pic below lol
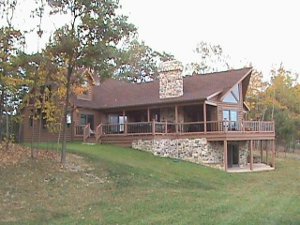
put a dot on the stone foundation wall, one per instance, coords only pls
(243, 153)
(192, 150)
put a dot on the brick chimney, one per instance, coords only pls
(170, 79)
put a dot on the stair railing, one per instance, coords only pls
(86, 132)
(98, 132)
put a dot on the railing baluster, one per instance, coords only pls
(153, 127)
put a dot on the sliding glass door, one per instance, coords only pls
(232, 117)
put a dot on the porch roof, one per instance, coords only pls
(117, 94)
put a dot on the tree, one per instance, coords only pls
(281, 100)
(254, 95)
(88, 41)
(210, 58)
(277, 101)
(10, 41)
(36, 74)
(139, 63)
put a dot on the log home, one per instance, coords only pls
(200, 118)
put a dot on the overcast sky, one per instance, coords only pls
(262, 32)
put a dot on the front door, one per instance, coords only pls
(233, 155)
(87, 118)
(90, 120)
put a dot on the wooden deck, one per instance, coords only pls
(124, 134)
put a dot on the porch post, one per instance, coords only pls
(267, 152)
(166, 126)
(251, 155)
(100, 130)
(148, 114)
(153, 127)
(225, 156)
(176, 119)
(125, 122)
(273, 153)
(204, 116)
(261, 150)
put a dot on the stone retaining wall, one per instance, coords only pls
(193, 150)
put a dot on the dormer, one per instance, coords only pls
(85, 90)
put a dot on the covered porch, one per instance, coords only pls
(195, 119)
(173, 114)
(260, 155)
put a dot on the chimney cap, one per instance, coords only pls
(170, 66)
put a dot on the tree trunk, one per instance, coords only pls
(34, 113)
(32, 136)
(40, 120)
(1, 113)
(7, 131)
(39, 130)
(65, 113)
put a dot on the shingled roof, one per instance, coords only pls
(116, 94)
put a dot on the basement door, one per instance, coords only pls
(233, 155)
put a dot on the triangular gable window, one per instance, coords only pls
(233, 96)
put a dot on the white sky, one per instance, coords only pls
(263, 32)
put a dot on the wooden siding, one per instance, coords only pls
(28, 134)
(99, 117)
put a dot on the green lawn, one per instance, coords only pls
(134, 187)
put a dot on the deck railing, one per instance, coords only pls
(189, 127)
(259, 126)
(138, 128)
(79, 130)
(98, 132)
(162, 128)
(86, 132)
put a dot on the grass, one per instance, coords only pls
(139, 188)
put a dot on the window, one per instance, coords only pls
(86, 87)
(69, 119)
(86, 118)
(236, 93)
(232, 117)
(113, 119)
(122, 121)
(233, 96)
(118, 122)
